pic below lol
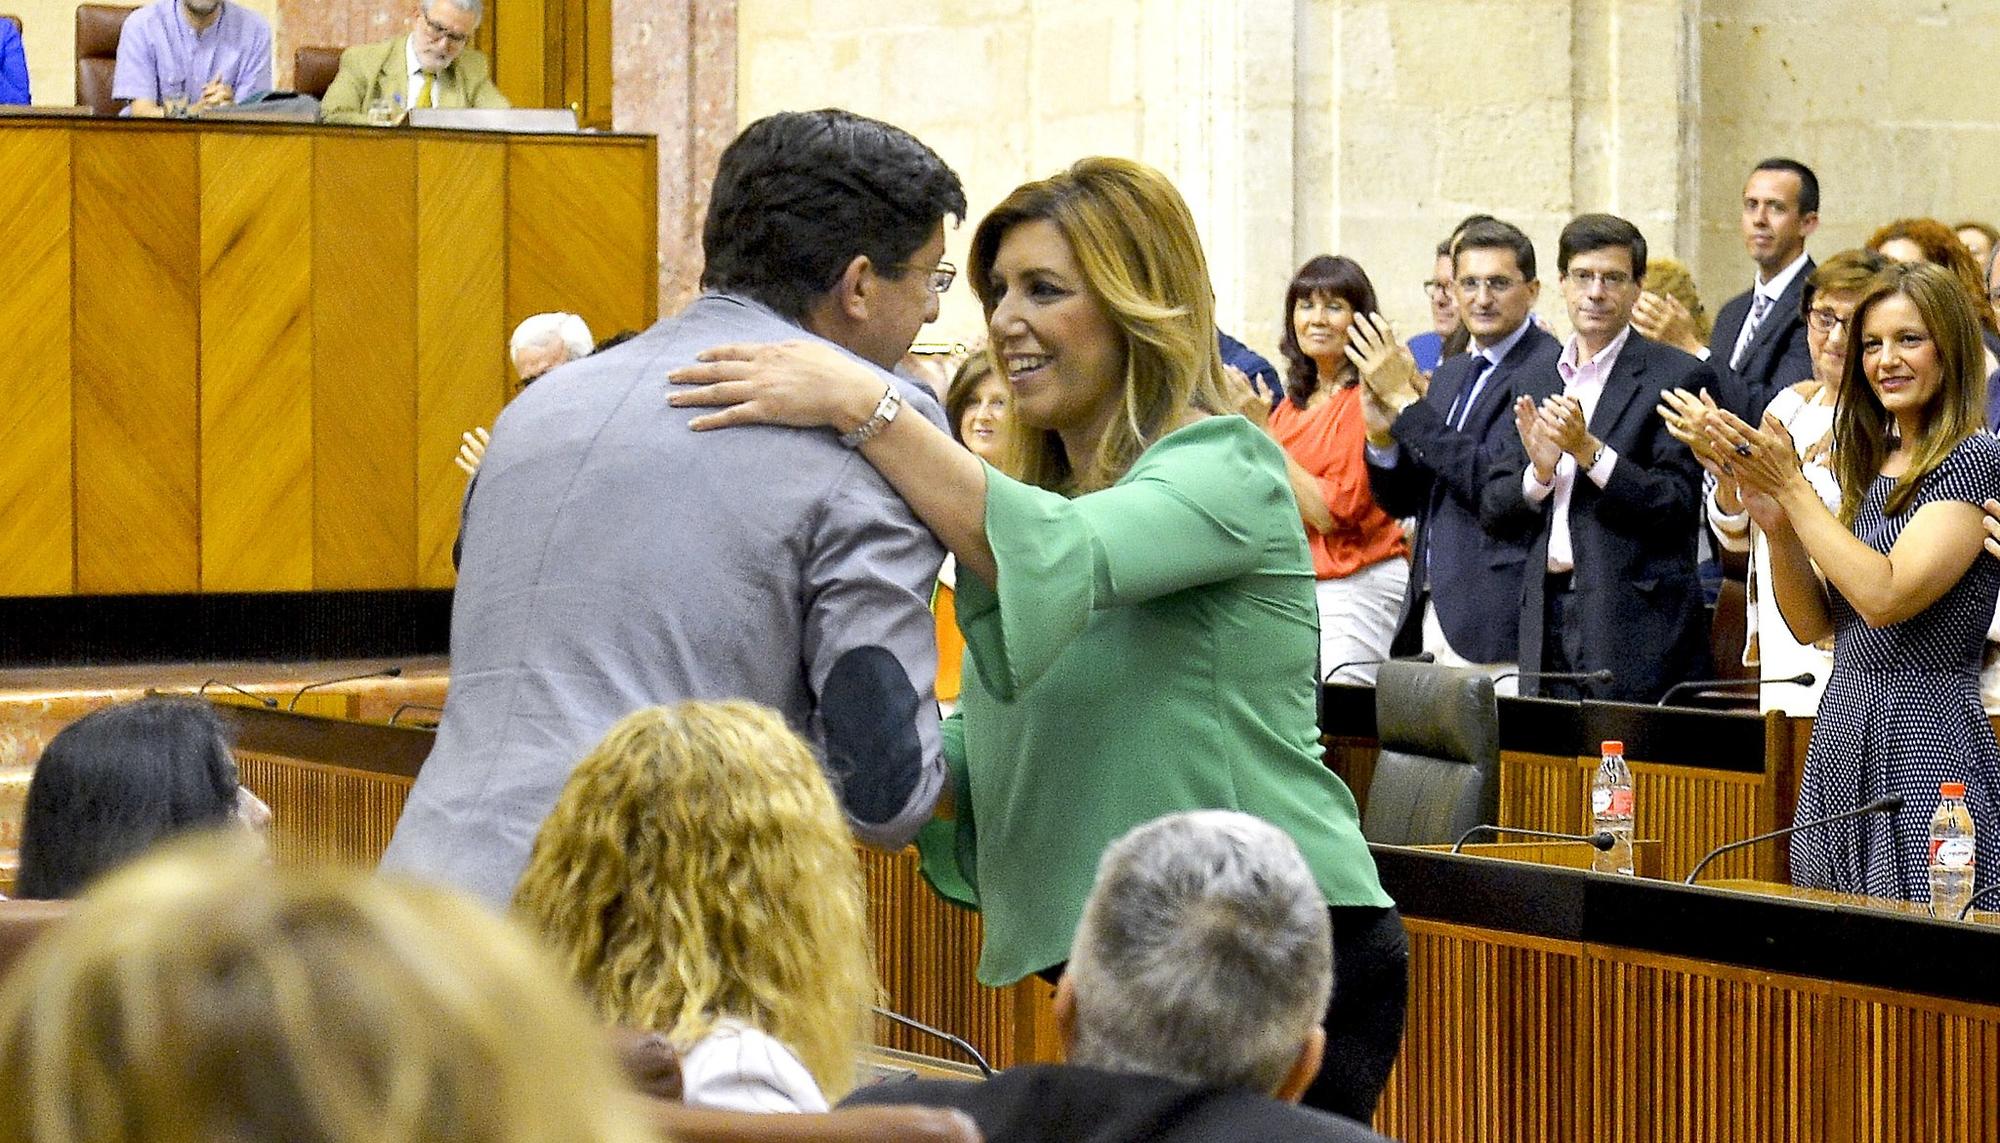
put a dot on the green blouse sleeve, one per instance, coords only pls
(1205, 504)
(945, 847)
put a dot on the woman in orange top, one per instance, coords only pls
(1360, 557)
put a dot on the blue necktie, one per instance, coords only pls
(1461, 409)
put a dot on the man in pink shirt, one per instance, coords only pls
(1610, 497)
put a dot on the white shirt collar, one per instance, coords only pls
(1497, 352)
(1782, 280)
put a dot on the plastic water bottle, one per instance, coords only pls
(1611, 809)
(1951, 853)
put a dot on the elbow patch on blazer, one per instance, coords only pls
(869, 712)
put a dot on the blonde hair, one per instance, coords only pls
(698, 867)
(1861, 426)
(1135, 242)
(1671, 279)
(199, 994)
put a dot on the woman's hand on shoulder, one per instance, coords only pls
(801, 383)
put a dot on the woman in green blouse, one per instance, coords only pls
(1136, 598)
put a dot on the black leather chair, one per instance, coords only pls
(1437, 774)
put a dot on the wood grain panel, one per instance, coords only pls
(256, 363)
(323, 813)
(1541, 791)
(927, 951)
(1486, 1009)
(364, 321)
(138, 265)
(37, 528)
(462, 371)
(571, 214)
(1693, 811)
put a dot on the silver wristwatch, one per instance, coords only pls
(885, 411)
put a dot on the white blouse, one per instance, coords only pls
(740, 1068)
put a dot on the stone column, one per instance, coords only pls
(673, 74)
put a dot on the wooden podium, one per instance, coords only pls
(241, 354)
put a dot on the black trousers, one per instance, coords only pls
(1364, 1018)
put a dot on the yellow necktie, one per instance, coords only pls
(424, 92)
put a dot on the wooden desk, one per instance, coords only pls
(1700, 778)
(1553, 1004)
(241, 355)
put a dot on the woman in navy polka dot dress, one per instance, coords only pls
(1907, 591)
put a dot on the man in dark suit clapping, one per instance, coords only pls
(1608, 495)
(1429, 457)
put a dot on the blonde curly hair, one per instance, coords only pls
(697, 867)
(199, 994)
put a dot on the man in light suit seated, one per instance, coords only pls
(1191, 1007)
(428, 67)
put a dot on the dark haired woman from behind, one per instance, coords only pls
(117, 781)
(1360, 558)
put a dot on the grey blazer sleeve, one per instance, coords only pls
(870, 655)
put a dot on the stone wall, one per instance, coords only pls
(1368, 127)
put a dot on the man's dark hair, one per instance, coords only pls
(1808, 182)
(115, 782)
(1493, 234)
(1587, 232)
(799, 194)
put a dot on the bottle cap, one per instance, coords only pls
(1613, 746)
(1951, 789)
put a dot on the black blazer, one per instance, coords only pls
(1066, 1104)
(1637, 606)
(1475, 573)
(1777, 357)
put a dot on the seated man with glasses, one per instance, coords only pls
(429, 67)
(1609, 499)
(1428, 457)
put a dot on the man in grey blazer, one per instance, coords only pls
(613, 559)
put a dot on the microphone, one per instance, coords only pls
(1602, 840)
(985, 1069)
(1974, 899)
(412, 706)
(384, 673)
(1419, 657)
(1886, 805)
(1603, 675)
(1802, 679)
(266, 700)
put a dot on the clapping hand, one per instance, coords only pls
(1562, 418)
(1993, 527)
(1686, 416)
(472, 450)
(1543, 451)
(1664, 319)
(1765, 463)
(1385, 364)
(1240, 395)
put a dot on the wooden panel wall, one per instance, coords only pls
(36, 530)
(1690, 810)
(1516, 1038)
(137, 291)
(572, 213)
(256, 363)
(243, 357)
(364, 387)
(324, 813)
(462, 372)
(1484, 1006)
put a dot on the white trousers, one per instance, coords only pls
(1357, 618)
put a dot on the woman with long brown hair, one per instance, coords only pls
(1896, 575)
